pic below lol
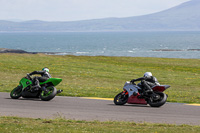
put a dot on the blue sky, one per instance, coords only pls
(72, 10)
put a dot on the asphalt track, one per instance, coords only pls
(77, 108)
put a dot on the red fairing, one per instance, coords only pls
(159, 88)
(134, 100)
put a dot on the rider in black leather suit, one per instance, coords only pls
(44, 76)
(147, 82)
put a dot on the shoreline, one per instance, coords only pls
(168, 50)
(19, 51)
(6, 50)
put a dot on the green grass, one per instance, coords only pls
(60, 125)
(100, 76)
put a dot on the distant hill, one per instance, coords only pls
(185, 17)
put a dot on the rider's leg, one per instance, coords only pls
(43, 79)
(36, 84)
(146, 87)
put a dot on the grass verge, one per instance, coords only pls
(100, 76)
(59, 125)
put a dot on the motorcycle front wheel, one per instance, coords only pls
(158, 102)
(16, 92)
(49, 94)
(120, 99)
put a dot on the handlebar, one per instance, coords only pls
(132, 82)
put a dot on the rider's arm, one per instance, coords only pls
(37, 72)
(139, 79)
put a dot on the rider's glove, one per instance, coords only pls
(133, 80)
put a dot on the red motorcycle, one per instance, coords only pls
(133, 94)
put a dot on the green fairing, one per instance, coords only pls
(25, 82)
(54, 81)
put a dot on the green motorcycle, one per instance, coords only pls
(24, 89)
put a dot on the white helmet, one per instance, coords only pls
(45, 69)
(147, 74)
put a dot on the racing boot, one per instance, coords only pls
(149, 91)
(59, 91)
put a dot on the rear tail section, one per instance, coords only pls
(160, 88)
(54, 81)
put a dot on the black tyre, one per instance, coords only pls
(16, 92)
(50, 94)
(158, 102)
(120, 99)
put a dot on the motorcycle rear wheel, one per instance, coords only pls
(50, 94)
(120, 99)
(16, 92)
(161, 101)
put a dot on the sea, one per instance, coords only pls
(182, 44)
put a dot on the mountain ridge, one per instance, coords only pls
(184, 17)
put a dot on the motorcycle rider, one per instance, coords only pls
(147, 82)
(36, 80)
